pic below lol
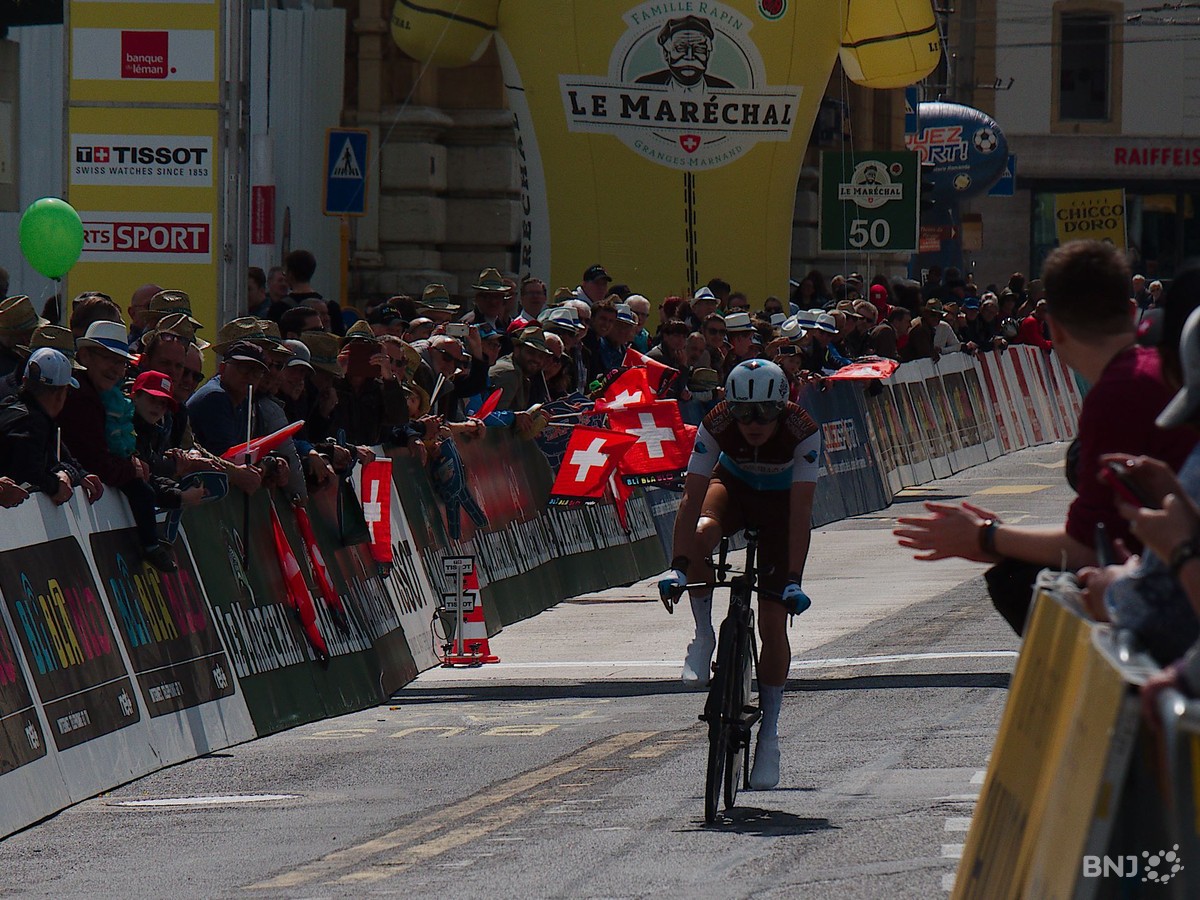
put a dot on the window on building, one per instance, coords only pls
(1084, 70)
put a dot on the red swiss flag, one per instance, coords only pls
(591, 457)
(659, 375)
(631, 386)
(663, 442)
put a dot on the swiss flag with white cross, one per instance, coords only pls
(663, 446)
(591, 457)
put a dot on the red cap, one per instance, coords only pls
(878, 291)
(156, 384)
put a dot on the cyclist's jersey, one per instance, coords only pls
(792, 454)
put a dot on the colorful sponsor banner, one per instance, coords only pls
(117, 54)
(963, 152)
(694, 107)
(1091, 216)
(164, 621)
(21, 737)
(67, 640)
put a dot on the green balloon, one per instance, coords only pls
(51, 234)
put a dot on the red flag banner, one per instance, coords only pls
(261, 446)
(663, 443)
(320, 573)
(298, 596)
(591, 457)
(377, 507)
(632, 386)
(659, 375)
(865, 370)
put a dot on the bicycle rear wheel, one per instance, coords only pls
(718, 723)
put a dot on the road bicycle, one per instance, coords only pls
(728, 711)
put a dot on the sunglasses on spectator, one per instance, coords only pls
(169, 337)
(762, 413)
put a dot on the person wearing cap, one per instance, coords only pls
(566, 322)
(387, 319)
(703, 304)
(30, 451)
(594, 285)
(463, 368)
(153, 396)
(419, 329)
(519, 376)
(369, 405)
(620, 338)
(823, 356)
(53, 336)
(17, 323)
(862, 317)
(1091, 321)
(978, 333)
(219, 410)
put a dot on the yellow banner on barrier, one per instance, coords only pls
(1091, 216)
(1050, 783)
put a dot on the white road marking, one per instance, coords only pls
(206, 801)
(948, 882)
(952, 851)
(797, 664)
(958, 823)
(978, 777)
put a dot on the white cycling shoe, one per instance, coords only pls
(697, 668)
(764, 774)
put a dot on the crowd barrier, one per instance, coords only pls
(110, 669)
(1082, 798)
(927, 421)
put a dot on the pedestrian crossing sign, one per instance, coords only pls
(346, 171)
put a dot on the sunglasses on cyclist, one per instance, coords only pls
(762, 413)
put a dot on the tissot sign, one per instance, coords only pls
(146, 237)
(685, 91)
(144, 159)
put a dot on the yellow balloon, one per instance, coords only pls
(664, 139)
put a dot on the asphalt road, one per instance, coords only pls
(574, 768)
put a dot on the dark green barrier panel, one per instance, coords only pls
(283, 683)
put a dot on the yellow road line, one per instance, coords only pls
(1014, 489)
(469, 808)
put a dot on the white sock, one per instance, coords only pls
(771, 698)
(702, 614)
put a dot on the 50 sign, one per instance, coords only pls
(869, 202)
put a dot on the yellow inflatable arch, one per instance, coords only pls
(664, 139)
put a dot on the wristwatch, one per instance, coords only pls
(1184, 553)
(987, 536)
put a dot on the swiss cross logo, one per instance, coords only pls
(689, 142)
(99, 155)
(144, 54)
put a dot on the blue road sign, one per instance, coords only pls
(912, 100)
(346, 172)
(1007, 185)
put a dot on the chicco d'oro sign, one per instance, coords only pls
(687, 91)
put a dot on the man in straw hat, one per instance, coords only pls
(53, 336)
(492, 293)
(17, 322)
(435, 304)
(519, 376)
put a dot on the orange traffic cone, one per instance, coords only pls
(471, 648)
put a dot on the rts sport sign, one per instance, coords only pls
(869, 201)
(146, 237)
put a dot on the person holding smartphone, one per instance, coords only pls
(1148, 594)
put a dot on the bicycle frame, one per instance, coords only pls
(727, 710)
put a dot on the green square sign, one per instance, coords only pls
(869, 201)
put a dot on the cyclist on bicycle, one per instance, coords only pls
(755, 463)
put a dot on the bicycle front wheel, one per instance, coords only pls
(718, 723)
